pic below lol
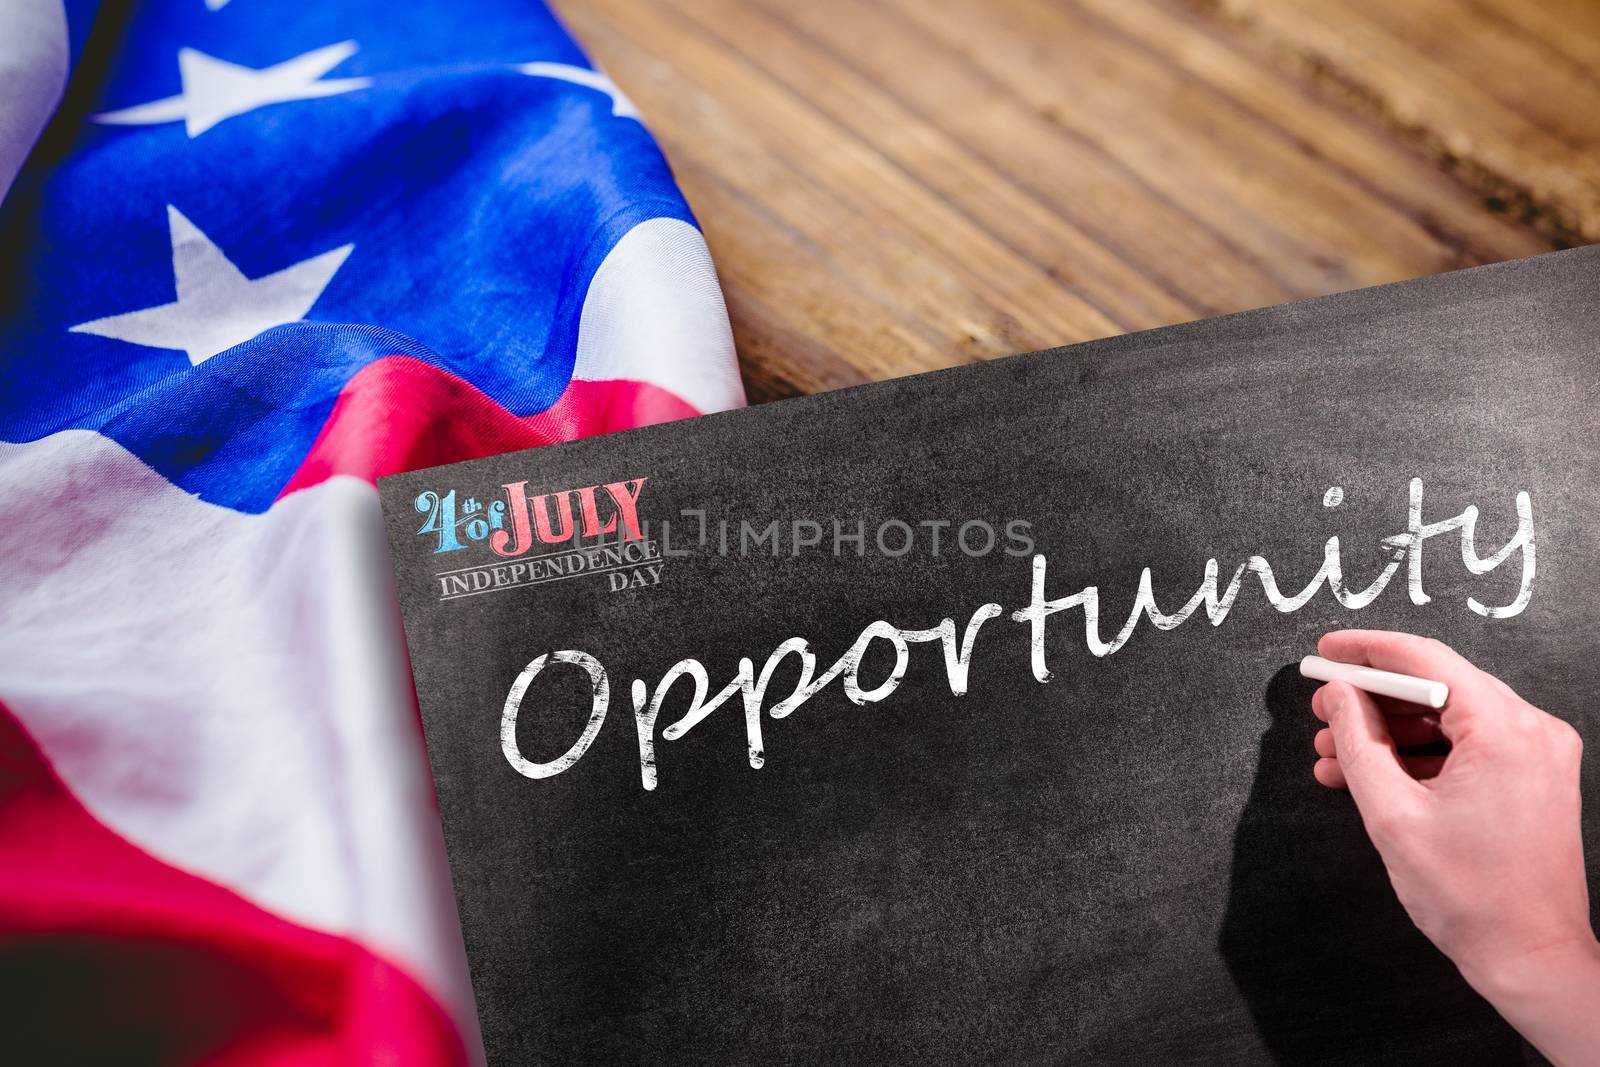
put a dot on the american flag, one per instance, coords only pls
(257, 254)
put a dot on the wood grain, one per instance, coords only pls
(902, 185)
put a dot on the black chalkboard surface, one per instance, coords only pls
(1127, 863)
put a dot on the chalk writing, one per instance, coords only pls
(1405, 548)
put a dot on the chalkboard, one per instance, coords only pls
(1127, 863)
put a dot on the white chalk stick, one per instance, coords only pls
(1384, 683)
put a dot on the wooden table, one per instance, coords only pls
(900, 185)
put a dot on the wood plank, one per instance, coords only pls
(1279, 203)
(966, 183)
(899, 186)
(1568, 29)
(1494, 106)
(1389, 169)
(941, 89)
(954, 292)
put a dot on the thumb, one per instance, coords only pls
(1366, 753)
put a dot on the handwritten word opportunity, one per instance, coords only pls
(1217, 598)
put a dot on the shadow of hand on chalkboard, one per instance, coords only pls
(1332, 969)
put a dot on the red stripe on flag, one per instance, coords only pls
(400, 414)
(108, 955)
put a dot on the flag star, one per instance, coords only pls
(214, 89)
(621, 106)
(217, 306)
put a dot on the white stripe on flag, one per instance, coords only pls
(654, 313)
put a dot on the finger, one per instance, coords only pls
(1407, 731)
(1323, 743)
(1328, 772)
(1366, 752)
(1395, 708)
(1420, 656)
(1319, 701)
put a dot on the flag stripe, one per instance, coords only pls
(230, 692)
(400, 414)
(111, 955)
(654, 313)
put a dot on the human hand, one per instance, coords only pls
(1483, 845)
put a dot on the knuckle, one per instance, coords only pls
(1567, 739)
(1527, 725)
